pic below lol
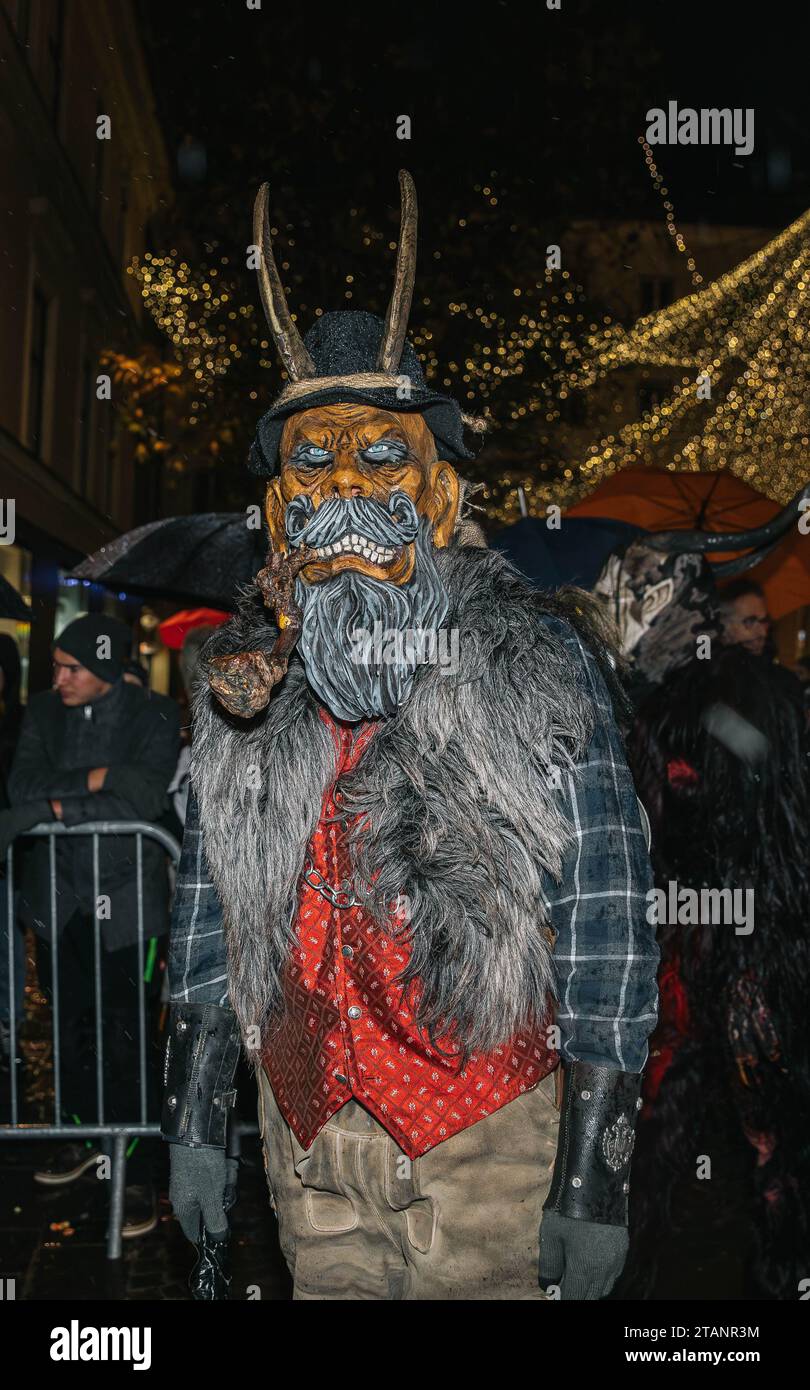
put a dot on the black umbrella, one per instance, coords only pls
(573, 555)
(12, 605)
(202, 558)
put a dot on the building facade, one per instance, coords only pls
(85, 183)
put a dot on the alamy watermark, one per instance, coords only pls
(710, 125)
(388, 646)
(693, 907)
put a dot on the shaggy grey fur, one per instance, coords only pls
(461, 814)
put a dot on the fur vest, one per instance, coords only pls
(457, 797)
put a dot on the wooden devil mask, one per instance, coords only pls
(362, 492)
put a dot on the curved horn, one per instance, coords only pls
(289, 343)
(728, 568)
(396, 320)
(712, 542)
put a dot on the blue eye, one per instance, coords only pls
(388, 449)
(312, 453)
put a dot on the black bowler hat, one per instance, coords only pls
(345, 346)
(350, 355)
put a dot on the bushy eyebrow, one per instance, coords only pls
(331, 439)
(305, 443)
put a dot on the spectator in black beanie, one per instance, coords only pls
(95, 748)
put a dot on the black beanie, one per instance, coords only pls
(82, 639)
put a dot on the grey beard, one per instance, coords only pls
(355, 677)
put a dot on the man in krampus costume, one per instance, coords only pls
(414, 874)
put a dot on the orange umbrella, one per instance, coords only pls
(173, 630)
(660, 500)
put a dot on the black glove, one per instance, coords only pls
(19, 818)
(582, 1258)
(197, 1186)
(583, 1233)
(202, 1190)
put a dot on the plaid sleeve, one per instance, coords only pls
(606, 955)
(197, 962)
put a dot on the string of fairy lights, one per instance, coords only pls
(669, 211)
(194, 311)
(502, 349)
(740, 345)
(743, 404)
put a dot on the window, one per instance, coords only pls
(98, 161)
(123, 210)
(85, 427)
(54, 60)
(22, 20)
(655, 293)
(106, 450)
(573, 409)
(37, 362)
(201, 489)
(651, 394)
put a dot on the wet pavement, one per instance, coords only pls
(53, 1243)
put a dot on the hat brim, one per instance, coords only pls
(442, 416)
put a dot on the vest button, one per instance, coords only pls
(354, 1012)
(341, 1078)
(347, 951)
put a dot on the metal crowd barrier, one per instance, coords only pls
(119, 1134)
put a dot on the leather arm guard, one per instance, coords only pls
(597, 1130)
(201, 1056)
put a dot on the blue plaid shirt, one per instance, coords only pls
(605, 952)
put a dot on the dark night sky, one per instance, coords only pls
(554, 101)
(543, 108)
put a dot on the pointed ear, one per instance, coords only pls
(443, 493)
(274, 514)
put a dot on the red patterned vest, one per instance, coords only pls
(347, 1032)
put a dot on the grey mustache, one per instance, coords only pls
(393, 525)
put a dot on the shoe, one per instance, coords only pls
(140, 1211)
(71, 1162)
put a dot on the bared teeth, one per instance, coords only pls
(356, 545)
